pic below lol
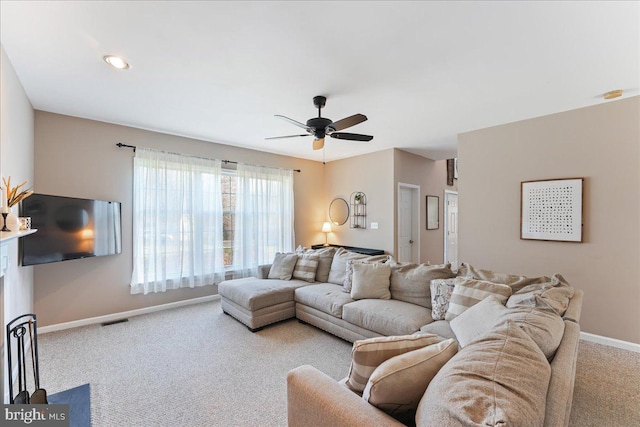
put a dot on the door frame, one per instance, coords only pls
(415, 223)
(447, 193)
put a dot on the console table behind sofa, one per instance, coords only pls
(364, 251)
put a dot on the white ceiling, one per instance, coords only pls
(421, 71)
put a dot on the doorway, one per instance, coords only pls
(408, 226)
(451, 228)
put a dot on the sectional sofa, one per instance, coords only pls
(514, 334)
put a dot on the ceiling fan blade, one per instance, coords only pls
(351, 136)
(288, 136)
(347, 122)
(318, 143)
(293, 122)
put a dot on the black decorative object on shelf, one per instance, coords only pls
(358, 210)
(4, 221)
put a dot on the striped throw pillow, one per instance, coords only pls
(469, 292)
(368, 354)
(306, 267)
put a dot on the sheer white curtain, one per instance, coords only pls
(264, 217)
(177, 222)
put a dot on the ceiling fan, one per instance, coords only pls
(320, 126)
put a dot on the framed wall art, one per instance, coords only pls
(433, 208)
(551, 210)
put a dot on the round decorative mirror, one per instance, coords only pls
(338, 211)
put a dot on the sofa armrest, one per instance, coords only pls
(263, 271)
(563, 377)
(315, 399)
(575, 307)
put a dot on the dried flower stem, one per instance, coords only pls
(13, 196)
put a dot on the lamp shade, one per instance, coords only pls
(326, 227)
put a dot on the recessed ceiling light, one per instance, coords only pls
(116, 62)
(613, 94)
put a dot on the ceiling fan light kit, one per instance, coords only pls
(319, 127)
(116, 62)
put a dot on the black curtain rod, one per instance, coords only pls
(121, 145)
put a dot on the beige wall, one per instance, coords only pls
(373, 175)
(431, 176)
(601, 144)
(16, 160)
(78, 157)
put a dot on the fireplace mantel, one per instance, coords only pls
(7, 237)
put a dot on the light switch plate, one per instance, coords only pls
(374, 225)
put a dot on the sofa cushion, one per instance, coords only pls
(386, 317)
(368, 354)
(306, 267)
(339, 264)
(370, 281)
(397, 384)
(410, 282)
(282, 266)
(325, 257)
(468, 292)
(477, 320)
(325, 297)
(544, 326)
(514, 281)
(500, 379)
(441, 290)
(254, 294)
(554, 294)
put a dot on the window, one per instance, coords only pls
(194, 222)
(177, 222)
(229, 185)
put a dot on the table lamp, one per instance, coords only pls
(326, 228)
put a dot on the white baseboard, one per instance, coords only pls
(124, 315)
(611, 342)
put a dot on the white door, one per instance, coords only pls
(451, 228)
(408, 240)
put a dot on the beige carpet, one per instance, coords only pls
(194, 366)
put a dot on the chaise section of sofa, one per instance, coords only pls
(259, 302)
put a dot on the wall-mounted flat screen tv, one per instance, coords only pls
(70, 228)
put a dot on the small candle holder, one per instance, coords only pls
(4, 221)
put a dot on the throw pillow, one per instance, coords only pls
(398, 384)
(371, 281)
(469, 292)
(500, 379)
(324, 261)
(282, 267)
(477, 320)
(306, 267)
(514, 281)
(544, 326)
(411, 282)
(441, 290)
(368, 354)
(348, 276)
(339, 264)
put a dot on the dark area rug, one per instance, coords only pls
(79, 401)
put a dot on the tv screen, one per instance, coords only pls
(70, 228)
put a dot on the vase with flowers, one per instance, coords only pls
(11, 196)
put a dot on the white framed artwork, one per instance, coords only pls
(551, 210)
